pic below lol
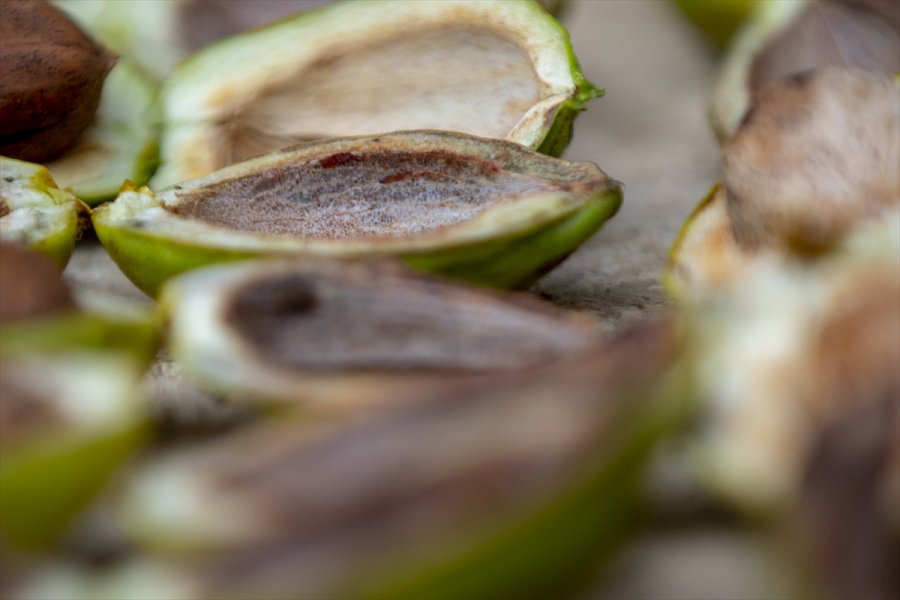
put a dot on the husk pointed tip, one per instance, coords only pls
(588, 91)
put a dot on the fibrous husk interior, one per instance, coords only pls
(306, 321)
(368, 194)
(455, 78)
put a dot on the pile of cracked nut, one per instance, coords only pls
(326, 208)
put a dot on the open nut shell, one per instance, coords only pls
(494, 69)
(344, 336)
(477, 209)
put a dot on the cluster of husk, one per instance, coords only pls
(69, 409)
(789, 275)
(497, 70)
(401, 435)
(509, 486)
(482, 436)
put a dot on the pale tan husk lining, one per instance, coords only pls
(455, 78)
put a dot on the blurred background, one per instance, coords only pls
(651, 131)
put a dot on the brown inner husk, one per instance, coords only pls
(312, 322)
(829, 34)
(369, 194)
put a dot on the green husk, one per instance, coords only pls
(120, 145)
(718, 20)
(556, 548)
(43, 486)
(151, 243)
(36, 213)
(202, 93)
(52, 465)
(78, 330)
(511, 263)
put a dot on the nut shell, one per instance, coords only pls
(51, 81)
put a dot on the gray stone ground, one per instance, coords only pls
(649, 132)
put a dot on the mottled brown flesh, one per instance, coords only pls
(384, 322)
(365, 195)
(815, 154)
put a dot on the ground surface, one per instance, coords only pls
(649, 132)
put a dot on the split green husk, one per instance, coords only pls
(341, 336)
(69, 421)
(495, 69)
(69, 413)
(121, 143)
(35, 213)
(487, 211)
(437, 500)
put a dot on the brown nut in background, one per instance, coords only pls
(51, 80)
(816, 154)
